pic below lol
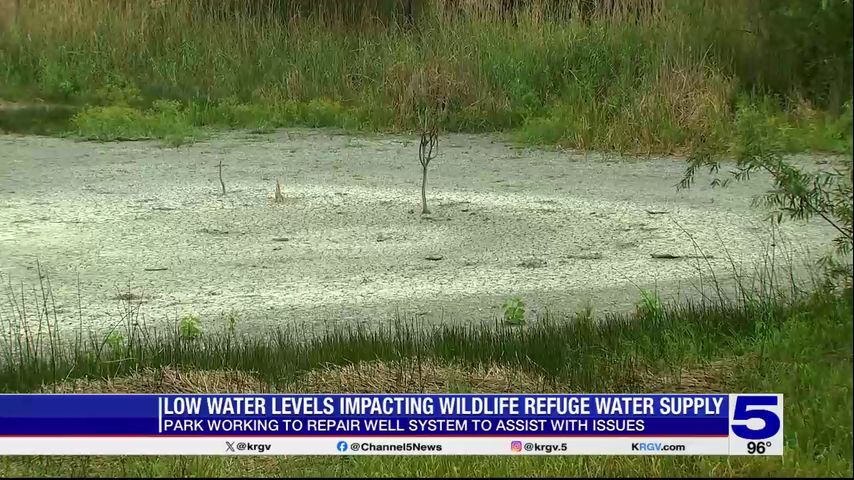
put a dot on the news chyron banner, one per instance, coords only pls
(453, 424)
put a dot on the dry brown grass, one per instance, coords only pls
(366, 377)
(396, 378)
(712, 377)
(692, 98)
(695, 96)
(165, 380)
(8, 13)
(430, 377)
(433, 85)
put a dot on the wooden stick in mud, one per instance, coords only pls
(220, 177)
(279, 198)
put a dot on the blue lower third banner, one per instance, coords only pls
(452, 424)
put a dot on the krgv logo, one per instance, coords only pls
(656, 447)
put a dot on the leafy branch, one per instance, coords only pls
(796, 193)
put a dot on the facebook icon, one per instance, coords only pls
(342, 446)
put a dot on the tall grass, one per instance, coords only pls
(611, 353)
(660, 82)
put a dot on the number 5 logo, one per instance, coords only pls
(755, 407)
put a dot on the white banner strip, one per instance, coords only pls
(367, 446)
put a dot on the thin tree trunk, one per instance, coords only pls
(424, 191)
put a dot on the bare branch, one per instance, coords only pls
(220, 177)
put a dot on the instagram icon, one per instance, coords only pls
(516, 446)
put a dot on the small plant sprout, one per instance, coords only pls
(189, 327)
(649, 306)
(427, 150)
(514, 311)
(231, 319)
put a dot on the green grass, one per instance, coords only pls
(801, 347)
(658, 85)
(165, 120)
(555, 345)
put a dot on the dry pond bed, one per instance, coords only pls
(112, 224)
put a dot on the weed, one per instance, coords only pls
(649, 307)
(514, 311)
(116, 341)
(189, 328)
(231, 320)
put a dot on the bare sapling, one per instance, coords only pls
(220, 178)
(427, 150)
